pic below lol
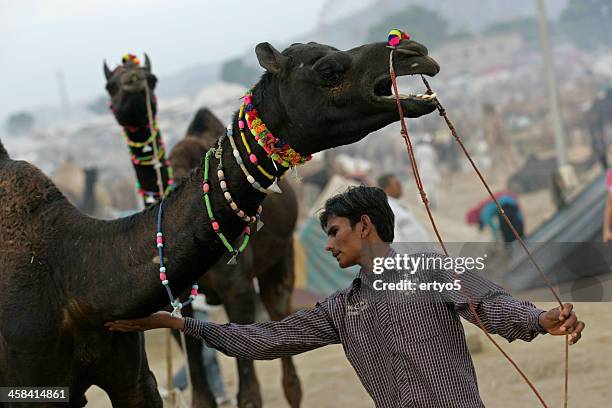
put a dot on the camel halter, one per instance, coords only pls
(395, 37)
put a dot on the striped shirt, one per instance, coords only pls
(407, 347)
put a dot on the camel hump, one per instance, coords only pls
(205, 124)
(3, 152)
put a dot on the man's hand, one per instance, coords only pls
(157, 320)
(560, 322)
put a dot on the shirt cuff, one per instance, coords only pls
(534, 321)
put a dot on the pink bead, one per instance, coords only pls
(206, 187)
(247, 100)
(247, 230)
(162, 276)
(394, 41)
(241, 213)
(253, 158)
(241, 124)
(215, 225)
(170, 182)
(160, 240)
(194, 292)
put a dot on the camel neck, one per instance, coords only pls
(191, 246)
(140, 143)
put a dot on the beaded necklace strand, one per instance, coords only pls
(213, 222)
(174, 302)
(227, 195)
(252, 156)
(239, 161)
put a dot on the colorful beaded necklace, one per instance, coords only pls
(176, 304)
(249, 177)
(278, 150)
(213, 222)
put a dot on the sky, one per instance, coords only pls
(38, 38)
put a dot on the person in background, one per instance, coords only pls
(486, 214)
(407, 228)
(607, 224)
(427, 161)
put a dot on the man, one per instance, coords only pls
(406, 353)
(486, 213)
(407, 228)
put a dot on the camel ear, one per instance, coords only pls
(107, 72)
(269, 57)
(147, 63)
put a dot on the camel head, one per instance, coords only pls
(126, 87)
(315, 97)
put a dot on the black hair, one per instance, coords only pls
(358, 201)
(384, 180)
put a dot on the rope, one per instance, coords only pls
(419, 184)
(157, 165)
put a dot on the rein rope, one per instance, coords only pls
(157, 163)
(419, 184)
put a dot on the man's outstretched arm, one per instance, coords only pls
(302, 331)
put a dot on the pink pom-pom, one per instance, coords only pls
(160, 240)
(194, 292)
(247, 99)
(171, 182)
(241, 124)
(394, 41)
(253, 158)
(215, 226)
(206, 187)
(247, 230)
(162, 276)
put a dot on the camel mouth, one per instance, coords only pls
(383, 88)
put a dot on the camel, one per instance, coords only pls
(230, 285)
(64, 274)
(126, 86)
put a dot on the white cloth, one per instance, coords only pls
(407, 228)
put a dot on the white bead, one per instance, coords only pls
(160, 245)
(162, 269)
(227, 196)
(223, 185)
(159, 234)
(250, 179)
(236, 153)
(233, 206)
(165, 282)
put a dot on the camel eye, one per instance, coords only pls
(329, 74)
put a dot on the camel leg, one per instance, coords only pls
(239, 301)
(125, 375)
(276, 286)
(202, 396)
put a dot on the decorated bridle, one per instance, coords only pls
(394, 39)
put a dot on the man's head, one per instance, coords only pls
(391, 185)
(354, 220)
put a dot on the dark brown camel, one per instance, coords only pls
(126, 85)
(231, 285)
(270, 259)
(64, 274)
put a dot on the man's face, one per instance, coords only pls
(344, 242)
(394, 188)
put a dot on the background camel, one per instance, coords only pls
(64, 274)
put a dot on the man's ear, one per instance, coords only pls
(366, 226)
(269, 57)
